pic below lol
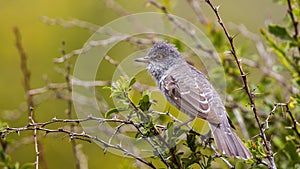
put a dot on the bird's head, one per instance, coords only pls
(161, 57)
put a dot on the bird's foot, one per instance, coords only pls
(206, 138)
(186, 123)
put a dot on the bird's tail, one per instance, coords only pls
(228, 142)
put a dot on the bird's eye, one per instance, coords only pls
(160, 57)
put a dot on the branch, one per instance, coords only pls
(25, 71)
(294, 121)
(188, 31)
(294, 22)
(198, 11)
(79, 136)
(174, 119)
(29, 98)
(115, 36)
(75, 82)
(70, 104)
(288, 111)
(116, 7)
(250, 94)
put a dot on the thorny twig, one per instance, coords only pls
(80, 136)
(288, 111)
(269, 62)
(25, 71)
(116, 7)
(246, 87)
(74, 82)
(295, 23)
(114, 120)
(70, 105)
(294, 121)
(174, 119)
(30, 103)
(86, 137)
(182, 27)
(171, 149)
(220, 156)
(198, 11)
(115, 36)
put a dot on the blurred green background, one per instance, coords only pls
(42, 43)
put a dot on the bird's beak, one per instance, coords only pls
(144, 60)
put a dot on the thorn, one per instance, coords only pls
(227, 53)
(241, 88)
(217, 8)
(235, 35)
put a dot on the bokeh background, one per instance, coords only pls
(43, 42)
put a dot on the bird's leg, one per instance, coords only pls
(206, 138)
(186, 123)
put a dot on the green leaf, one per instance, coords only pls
(27, 166)
(170, 124)
(7, 160)
(2, 155)
(178, 45)
(16, 166)
(145, 102)
(132, 81)
(279, 32)
(111, 111)
(106, 87)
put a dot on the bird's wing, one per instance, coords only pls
(188, 98)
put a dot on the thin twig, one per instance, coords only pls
(294, 22)
(116, 7)
(288, 111)
(198, 11)
(25, 71)
(174, 119)
(75, 82)
(80, 136)
(269, 62)
(246, 87)
(188, 31)
(157, 134)
(29, 98)
(220, 156)
(294, 121)
(115, 36)
(35, 139)
(70, 104)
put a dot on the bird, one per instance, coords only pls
(190, 91)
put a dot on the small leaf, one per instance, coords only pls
(27, 166)
(7, 160)
(111, 111)
(279, 32)
(106, 87)
(145, 101)
(178, 45)
(2, 155)
(170, 124)
(16, 166)
(132, 81)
